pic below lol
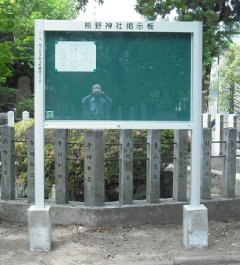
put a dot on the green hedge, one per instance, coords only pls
(26, 105)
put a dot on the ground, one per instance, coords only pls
(145, 244)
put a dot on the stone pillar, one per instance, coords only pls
(31, 165)
(94, 182)
(23, 88)
(232, 120)
(206, 164)
(195, 226)
(180, 165)
(61, 167)
(229, 168)
(218, 147)
(25, 115)
(126, 167)
(206, 120)
(7, 165)
(153, 165)
(10, 115)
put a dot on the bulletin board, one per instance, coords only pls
(144, 72)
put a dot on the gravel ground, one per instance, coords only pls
(145, 244)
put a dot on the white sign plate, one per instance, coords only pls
(75, 56)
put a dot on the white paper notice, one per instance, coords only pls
(75, 56)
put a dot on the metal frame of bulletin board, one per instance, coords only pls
(87, 63)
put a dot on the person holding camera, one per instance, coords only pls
(97, 103)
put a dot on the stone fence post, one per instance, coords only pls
(229, 167)
(61, 167)
(31, 165)
(10, 115)
(7, 163)
(25, 115)
(180, 165)
(94, 182)
(232, 120)
(218, 147)
(206, 120)
(153, 165)
(126, 167)
(206, 163)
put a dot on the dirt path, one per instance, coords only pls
(115, 245)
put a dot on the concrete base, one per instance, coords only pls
(195, 226)
(40, 228)
(167, 211)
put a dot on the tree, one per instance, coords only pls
(17, 32)
(6, 26)
(227, 81)
(220, 22)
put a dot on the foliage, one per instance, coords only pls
(227, 81)
(6, 25)
(220, 22)
(6, 59)
(76, 157)
(26, 105)
(17, 31)
(7, 98)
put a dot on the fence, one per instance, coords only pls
(94, 167)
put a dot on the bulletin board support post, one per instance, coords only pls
(39, 215)
(195, 215)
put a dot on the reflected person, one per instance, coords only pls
(97, 103)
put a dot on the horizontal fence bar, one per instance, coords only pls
(17, 156)
(49, 142)
(75, 159)
(80, 143)
(117, 144)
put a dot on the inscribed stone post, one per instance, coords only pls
(61, 167)
(153, 165)
(31, 165)
(206, 120)
(229, 168)
(7, 165)
(180, 165)
(218, 147)
(126, 167)
(206, 163)
(94, 193)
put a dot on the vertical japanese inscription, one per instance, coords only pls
(31, 164)
(7, 169)
(94, 191)
(180, 165)
(153, 166)
(206, 164)
(40, 56)
(61, 166)
(126, 167)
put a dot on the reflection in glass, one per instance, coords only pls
(97, 104)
